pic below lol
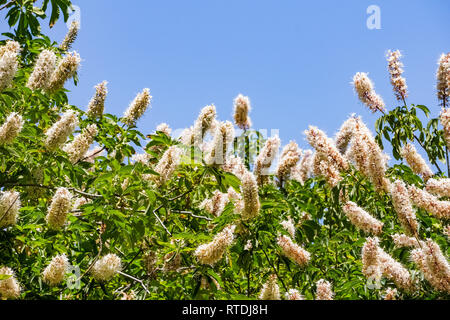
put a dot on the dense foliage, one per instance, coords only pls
(122, 203)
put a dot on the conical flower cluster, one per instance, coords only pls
(64, 71)
(235, 166)
(55, 272)
(345, 134)
(395, 70)
(324, 291)
(71, 35)
(444, 118)
(97, 104)
(288, 159)
(168, 163)
(206, 122)
(440, 188)
(443, 79)
(215, 204)
(137, 107)
(366, 93)
(213, 251)
(294, 294)
(164, 128)
(416, 162)
(81, 143)
(403, 207)
(293, 251)
(270, 289)
(391, 294)
(361, 219)
(241, 110)
(377, 262)
(106, 267)
(59, 208)
(265, 158)
(61, 130)
(43, 70)
(9, 208)
(328, 161)
(9, 288)
(8, 63)
(289, 226)
(402, 240)
(432, 262)
(11, 128)
(223, 136)
(304, 168)
(249, 191)
(367, 156)
(430, 203)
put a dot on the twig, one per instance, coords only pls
(88, 195)
(135, 279)
(8, 4)
(274, 269)
(192, 215)
(6, 212)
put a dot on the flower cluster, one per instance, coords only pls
(106, 267)
(8, 63)
(444, 118)
(416, 162)
(9, 288)
(328, 161)
(60, 131)
(64, 71)
(97, 104)
(345, 134)
(324, 291)
(223, 136)
(213, 251)
(395, 70)
(265, 158)
(137, 107)
(9, 208)
(440, 188)
(270, 289)
(71, 35)
(59, 208)
(294, 294)
(43, 70)
(11, 128)
(249, 191)
(366, 93)
(403, 207)
(241, 109)
(168, 163)
(435, 267)
(368, 157)
(293, 251)
(376, 262)
(288, 159)
(81, 143)
(362, 219)
(55, 272)
(304, 168)
(402, 240)
(289, 226)
(391, 294)
(443, 79)
(430, 203)
(216, 203)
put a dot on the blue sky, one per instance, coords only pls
(294, 59)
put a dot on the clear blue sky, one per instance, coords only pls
(294, 59)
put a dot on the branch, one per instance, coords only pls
(135, 279)
(87, 195)
(274, 269)
(192, 215)
(8, 4)
(95, 259)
